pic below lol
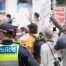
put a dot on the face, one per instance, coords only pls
(46, 38)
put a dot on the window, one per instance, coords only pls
(2, 6)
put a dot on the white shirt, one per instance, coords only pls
(46, 55)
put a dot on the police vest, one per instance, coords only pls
(9, 55)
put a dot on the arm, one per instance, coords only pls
(58, 45)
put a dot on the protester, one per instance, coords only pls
(32, 29)
(22, 36)
(47, 58)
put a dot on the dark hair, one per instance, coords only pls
(8, 15)
(32, 28)
(9, 33)
(23, 29)
(36, 14)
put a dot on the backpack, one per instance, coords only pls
(37, 46)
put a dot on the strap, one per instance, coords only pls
(51, 51)
(33, 36)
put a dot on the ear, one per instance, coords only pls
(1, 36)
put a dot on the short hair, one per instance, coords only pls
(36, 14)
(32, 28)
(8, 15)
(48, 33)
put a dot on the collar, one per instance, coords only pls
(7, 42)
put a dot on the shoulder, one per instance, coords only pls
(61, 39)
(61, 43)
(23, 51)
(31, 38)
(22, 48)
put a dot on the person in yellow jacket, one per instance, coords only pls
(29, 42)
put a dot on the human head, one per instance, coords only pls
(24, 30)
(5, 34)
(47, 34)
(36, 15)
(8, 16)
(32, 28)
(7, 30)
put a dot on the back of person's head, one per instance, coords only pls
(8, 15)
(32, 28)
(48, 34)
(36, 15)
(24, 30)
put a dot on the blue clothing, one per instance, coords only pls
(61, 43)
(24, 57)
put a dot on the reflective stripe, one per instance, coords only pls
(9, 63)
(9, 55)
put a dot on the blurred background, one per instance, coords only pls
(22, 11)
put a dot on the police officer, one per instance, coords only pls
(12, 54)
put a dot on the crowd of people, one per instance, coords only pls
(31, 48)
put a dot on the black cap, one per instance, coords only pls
(33, 28)
(6, 27)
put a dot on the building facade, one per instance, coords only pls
(22, 10)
